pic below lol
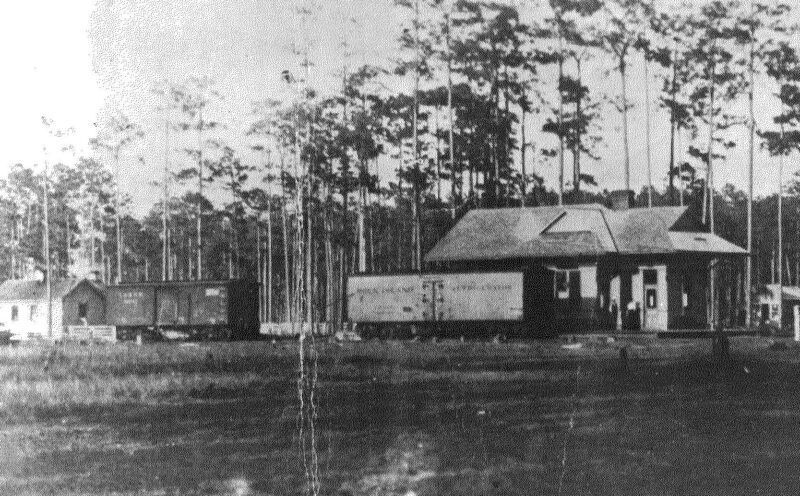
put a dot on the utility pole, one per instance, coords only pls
(751, 163)
(165, 256)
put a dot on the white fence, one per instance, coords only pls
(294, 328)
(91, 333)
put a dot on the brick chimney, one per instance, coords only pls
(622, 199)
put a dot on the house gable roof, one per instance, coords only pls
(25, 290)
(572, 231)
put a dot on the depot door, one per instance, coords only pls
(655, 314)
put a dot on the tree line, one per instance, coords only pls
(305, 203)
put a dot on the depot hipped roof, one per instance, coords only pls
(575, 231)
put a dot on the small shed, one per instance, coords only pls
(23, 306)
(769, 308)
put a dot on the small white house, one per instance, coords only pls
(23, 306)
(769, 307)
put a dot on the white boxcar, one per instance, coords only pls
(477, 296)
(384, 298)
(495, 296)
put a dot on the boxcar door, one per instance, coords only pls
(167, 305)
(432, 299)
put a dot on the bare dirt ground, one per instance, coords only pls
(404, 418)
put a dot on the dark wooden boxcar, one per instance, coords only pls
(199, 309)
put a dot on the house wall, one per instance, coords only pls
(25, 327)
(95, 306)
(769, 309)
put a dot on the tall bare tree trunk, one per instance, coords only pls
(780, 235)
(165, 255)
(286, 271)
(103, 258)
(268, 280)
(647, 132)
(287, 317)
(576, 148)
(450, 150)
(362, 242)
(417, 231)
(68, 240)
(672, 131)
(200, 196)
(710, 184)
(262, 289)
(309, 249)
(627, 156)
(47, 264)
(751, 163)
(398, 210)
(117, 205)
(522, 150)
(560, 119)
(363, 172)
(438, 155)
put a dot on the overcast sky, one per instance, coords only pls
(74, 61)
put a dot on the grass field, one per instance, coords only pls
(402, 418)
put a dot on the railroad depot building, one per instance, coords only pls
(23, 306)
(618, 268)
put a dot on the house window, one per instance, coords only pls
(14, 313)
(34, 311)
(82, 310)
(650, 276)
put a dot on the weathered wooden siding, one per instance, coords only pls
(95, 305)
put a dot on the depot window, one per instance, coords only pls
(567, 285)
(34, 311)
(652, 298)
(14, 313)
